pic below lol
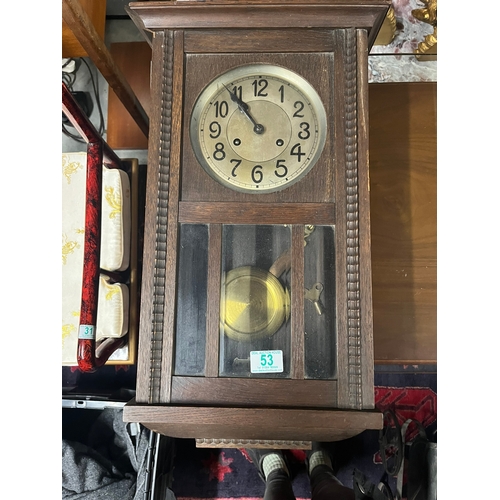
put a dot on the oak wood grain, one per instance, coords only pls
(253, 423)
(151, 313)
(246, 40)
(341, 227)
(365, 269)
(134, 60)
(96, 11)
(213, 300)
(329, 14)
(81, 26)
(254, 391)
(250, 213)
(172, 225)
(297, 303)
(403, 159)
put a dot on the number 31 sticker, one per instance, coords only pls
(266, 361)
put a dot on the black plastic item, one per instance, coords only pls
(391, 443)
(364, 489)
(413, 461)
(421, 467)
(160, 467)
(84, 100)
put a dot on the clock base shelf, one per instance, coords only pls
(221, 423)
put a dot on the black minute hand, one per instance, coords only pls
(243, 107)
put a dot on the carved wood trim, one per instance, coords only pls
(352, 236)
(175, 120)
(151, 249)
(365, 275)
(160, 254)
(193, 14)
(254, 443)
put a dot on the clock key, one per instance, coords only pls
(313, 294)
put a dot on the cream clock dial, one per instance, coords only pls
(258, 128)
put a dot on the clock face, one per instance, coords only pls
(258, 128)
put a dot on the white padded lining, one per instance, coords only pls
(115, 218)
(113, 305)
(112, 314)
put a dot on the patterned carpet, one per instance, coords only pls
(410, 391)
(201, 473)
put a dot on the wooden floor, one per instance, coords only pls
(403, 161)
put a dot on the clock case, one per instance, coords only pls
(192, 43)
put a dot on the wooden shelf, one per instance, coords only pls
(96, 10)
(403, 179)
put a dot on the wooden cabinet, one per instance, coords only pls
(203, 238)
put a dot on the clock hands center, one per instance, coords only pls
(244, 108)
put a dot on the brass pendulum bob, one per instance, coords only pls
(254, 303)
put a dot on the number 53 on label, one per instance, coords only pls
(266, 361)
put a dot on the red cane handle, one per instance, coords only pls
(91, 260)
(98, 152)
(86, 355)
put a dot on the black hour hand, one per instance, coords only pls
(243, 107)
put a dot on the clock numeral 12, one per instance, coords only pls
(259, 86)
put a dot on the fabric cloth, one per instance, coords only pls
(325, 486)
(272, 462)
(319, 458)
(278, 486)
(111, 464)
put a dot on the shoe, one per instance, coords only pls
(257, 455)
(327, 448)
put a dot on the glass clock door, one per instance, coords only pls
(256, 297)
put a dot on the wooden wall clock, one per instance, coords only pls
(256, 320)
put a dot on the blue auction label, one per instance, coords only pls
(266, 361)
(86, 332)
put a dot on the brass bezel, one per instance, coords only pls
(218, 84)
